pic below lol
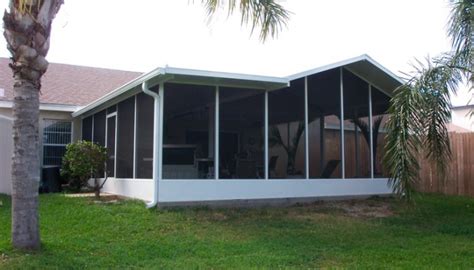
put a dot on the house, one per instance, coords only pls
(65, 89)
(181, 136)
(461, 119)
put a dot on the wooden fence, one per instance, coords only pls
(460, 175)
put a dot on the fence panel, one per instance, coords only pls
(459, 178)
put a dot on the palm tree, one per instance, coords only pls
(27, 28)
(365, 129)
(421, 108)
(290, 147)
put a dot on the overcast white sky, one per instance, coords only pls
(141, 35)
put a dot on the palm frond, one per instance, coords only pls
(405, 125)
(267, 15)
(419, 112)
(460, 26)
(436, 82)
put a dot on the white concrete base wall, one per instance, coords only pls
(133, 188)
(219, 190)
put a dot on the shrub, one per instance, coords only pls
(84, 160)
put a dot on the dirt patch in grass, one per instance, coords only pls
(3, 257)
(378, 208)
(104, 197)
(218, 216)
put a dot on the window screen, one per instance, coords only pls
(356, 126)
(144, 142)
(56, 135)
(241, 135)
(112, 109)
(188, 131)
(87, 129)
(324, 132)
(380, 104)
(286, 143)
(111, 130)
(99, 128)
(125, 126)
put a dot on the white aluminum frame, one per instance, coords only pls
(216, 134)
(266, 131)
(213, 189)
(182, 190)
(371, 134)
(93, 122)
(134, 174)
(266, 159)
(160, 132)
(110, 115)
(306, 133)
(341, 90)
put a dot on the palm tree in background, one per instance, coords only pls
(421, 108)
(27, 29)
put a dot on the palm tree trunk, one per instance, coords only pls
(25, 165)
(27, 26)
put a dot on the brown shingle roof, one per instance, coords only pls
(69, 84)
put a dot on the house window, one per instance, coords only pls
(56, 135)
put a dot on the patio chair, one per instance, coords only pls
(329, 168)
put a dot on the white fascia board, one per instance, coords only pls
(58, 107)
(118, 91)
(342, 63)
(462, 107)
(326, 67)
(45, 106)
(384, 69)
(6, 117)
(6, 104)
(168, 73)
(225, 75)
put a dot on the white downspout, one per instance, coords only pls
(156, 147)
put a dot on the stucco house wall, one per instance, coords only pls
(6, 141)
(461, 117)
(6, 147)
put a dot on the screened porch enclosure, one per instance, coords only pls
(328, 125)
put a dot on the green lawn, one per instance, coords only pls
(80, 234)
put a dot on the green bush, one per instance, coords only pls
(83, 160)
